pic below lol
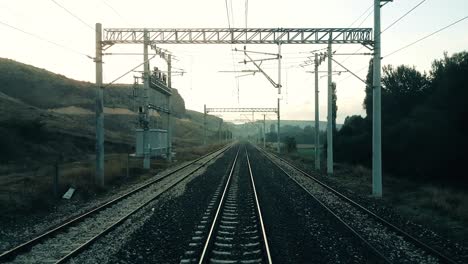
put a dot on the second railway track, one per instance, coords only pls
(386, 241)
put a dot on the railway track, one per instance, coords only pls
(233, 231)
(384, 240)
(69, 239)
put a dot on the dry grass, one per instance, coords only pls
(443, 208)
(34, 189)
(190, 153)
(446, 201)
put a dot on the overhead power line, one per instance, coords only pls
(425, 37)
(227, 12)
(232, 15)
(246, 12)
(115, 11)
(73, 15)
(357, 19)
(388, 27)
(129, 71)
(413, 43)
(407, 13)
(45, 40)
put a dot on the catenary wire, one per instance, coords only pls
(45, 40)
(425, 37)
(73, 15)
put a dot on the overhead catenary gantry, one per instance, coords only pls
(277, 36)
(252, 110)
(241, 110)
(239, 35)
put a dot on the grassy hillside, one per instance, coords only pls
(47, 90)
(44, 115)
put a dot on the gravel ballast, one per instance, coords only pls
(388, 242)
(161, 236)
(299, 230)
(60, 245)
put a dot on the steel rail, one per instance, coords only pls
(330, 211)
(259, 211)
(24, 247)
(391, 226)
(113, 226)
(218, 210)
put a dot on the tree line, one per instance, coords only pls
(424, 122)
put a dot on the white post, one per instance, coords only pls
(330, 113)
(278, 134)
(146, 77)
(317, 123)
(204, 124)
(169, 121)
(376, 113)
(279, 92)
(99, 110)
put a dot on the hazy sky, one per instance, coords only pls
(203, 83)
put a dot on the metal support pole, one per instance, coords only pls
(146, 81)
(330, 113)
(317, 123)
(169, 121)
(279, 92)
(99, 109)
(204, 124)
(264, 129)
(376, 113)
(278, 134)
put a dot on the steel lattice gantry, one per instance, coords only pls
(241, 110)
(235, 110)
(279, 36)
(238, 35)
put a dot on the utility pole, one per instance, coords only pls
(204, 124)
(330, 113)
(264, 134)
(99, 109)
(376, 113)
(279, 93)
(169, 121)
(146, 83)
(317, 123)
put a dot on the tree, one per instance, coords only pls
(367, 104)
(425, 122)
(334, 107)
(290, 143)
(402, 89)
(353, 141)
